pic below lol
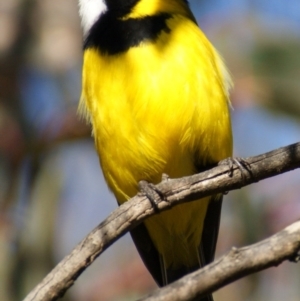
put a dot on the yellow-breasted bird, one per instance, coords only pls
(156, 93)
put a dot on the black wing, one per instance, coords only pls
(148, 252)
(211, 229)
(151, 257)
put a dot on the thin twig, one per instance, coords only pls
(133, 212)
(236, 264)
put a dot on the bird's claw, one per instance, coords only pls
(242, 165)
(151, 192)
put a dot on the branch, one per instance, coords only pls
(176, 191)
(234, 265)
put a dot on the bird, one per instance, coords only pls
(156, 93)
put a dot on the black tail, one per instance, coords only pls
(152, 258)
(173, 275)
(206, 298)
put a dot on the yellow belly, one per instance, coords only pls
(160, 108)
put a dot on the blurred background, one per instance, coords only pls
(52, 192)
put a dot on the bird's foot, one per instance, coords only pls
(242, 165)
(165, 177)
(151, 192)
(295, 258)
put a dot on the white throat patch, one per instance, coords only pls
(89, 11)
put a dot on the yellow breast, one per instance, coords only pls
(159, 108)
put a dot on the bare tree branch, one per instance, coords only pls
(176, 191)
(234, 265)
